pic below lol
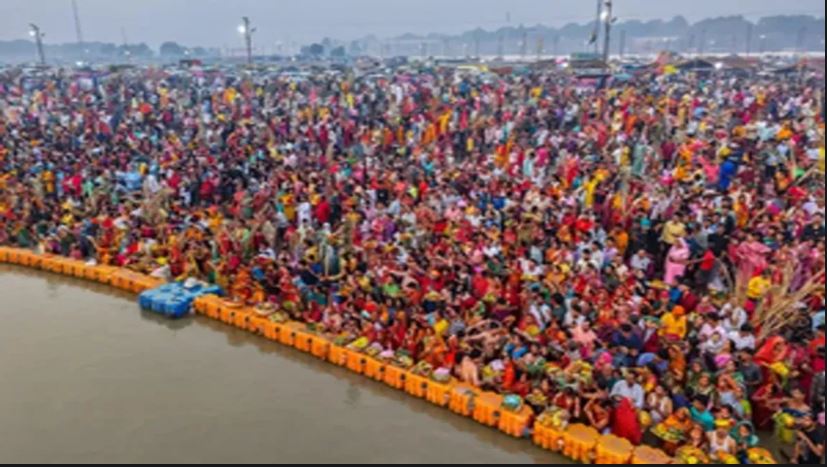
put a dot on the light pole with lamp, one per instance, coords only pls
(608, 19)
(245, 30)
(35, 32)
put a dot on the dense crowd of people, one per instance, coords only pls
(645, 257)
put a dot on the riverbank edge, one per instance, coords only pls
(577, 442)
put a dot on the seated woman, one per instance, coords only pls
(674, 430)
(659, 405)
(469, 368)
(695, 449)
(567, 400)
(538, 398)
(745, 439)
(598, 413)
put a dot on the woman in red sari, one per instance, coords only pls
(766, 402)
(772, 356)
(625, 423)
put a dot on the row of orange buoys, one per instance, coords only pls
(119, 278)
(577, 442)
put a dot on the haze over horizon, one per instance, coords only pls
(212, 23)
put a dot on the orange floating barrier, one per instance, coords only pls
(256, 324)
(579, 443)
(646, 455)
(287, 334)
(395, 376)
(105, 274)
(98, 273)
(462, 397)
(354, 361)
(319, 346)
(487, 408)
(119, 280)
(67, 267)
(439, 393)
(90, 272)
(131, 281)
(374, 369)
(4, 254)
(14, 256)
(227, 311)
(336, 355)
(78, 269)
(200, 304)
(272, 330)
(416, 385)
(52, 264)
(64, 267)
(515, 423)
(547, 437)
(613, 450)
(28, 258)
(301, 340)
(240, 318)
(144, 282)
(214, 308)
(36, 260)
(225, 314)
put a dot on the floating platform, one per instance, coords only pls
(174, 300)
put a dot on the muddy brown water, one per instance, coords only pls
(85, 376)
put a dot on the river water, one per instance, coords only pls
(85, 376)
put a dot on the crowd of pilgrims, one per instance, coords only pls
(614, 255)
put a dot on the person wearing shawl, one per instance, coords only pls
(745, 439)
(751, 257)
(773, 355)
(625, 422)
(674, 324)
(676, 262)
(674, 429)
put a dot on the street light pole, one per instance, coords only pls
(34, 31)
(247, 32)
(607, 39)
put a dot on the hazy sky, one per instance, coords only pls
(214, 22)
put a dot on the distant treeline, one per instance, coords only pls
(731, 34)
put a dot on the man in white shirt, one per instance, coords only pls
(630, 389)
(640, 261)
(304, 210)
(712, 325)
(491, 250)
(743, 339)
(540, 311)
(734, 317)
